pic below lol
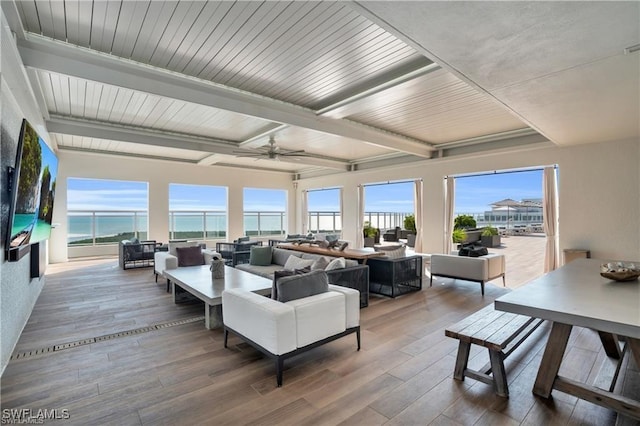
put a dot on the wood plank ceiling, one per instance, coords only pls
(308, 59)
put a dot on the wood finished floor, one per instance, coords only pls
(183, 375)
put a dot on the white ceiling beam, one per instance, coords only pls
(107, 131)
(62, 58)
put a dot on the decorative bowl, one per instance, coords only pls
(620, 271)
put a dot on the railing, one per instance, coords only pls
(197, 225)
(91, 227)
(264, 223)
(331, 221)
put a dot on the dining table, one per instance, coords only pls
(576, 295)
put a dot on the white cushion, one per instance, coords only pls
(294, 262)
(267, 322)
(352, 304)
(319, 316)
(337, 263)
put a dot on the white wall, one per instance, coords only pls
(159, 174)
(599, 193)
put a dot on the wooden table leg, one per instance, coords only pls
(610, 344)
(634, 345)
(553, 353)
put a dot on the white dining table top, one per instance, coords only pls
(576, 294)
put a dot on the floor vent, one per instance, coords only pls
(69, 345)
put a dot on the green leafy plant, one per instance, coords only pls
(458, 235)
(410, 223)
(369, 231)
(489, 231)
(464, 221)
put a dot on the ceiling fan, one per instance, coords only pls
(273, 152)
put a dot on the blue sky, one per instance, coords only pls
(473, 195)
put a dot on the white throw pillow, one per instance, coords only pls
(294, 262)
(338, 263)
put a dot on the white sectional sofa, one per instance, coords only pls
(480, 269)
(282, 330)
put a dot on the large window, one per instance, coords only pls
(197, 211)
(106, 211)
(387, 204)
(323, 206)
(265, 211)
(505, 200)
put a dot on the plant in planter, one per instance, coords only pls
(458, 235)
(370, 234)
(410, 226)
(490, 237)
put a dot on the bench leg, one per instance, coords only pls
(431, 280)
(482, 287)
(499, 375)
(461, 360)
(504, 280)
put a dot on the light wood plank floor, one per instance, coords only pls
(183, 375)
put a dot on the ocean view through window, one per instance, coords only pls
(106, 211)
(197, 211)
(324, 210)
(265, 211)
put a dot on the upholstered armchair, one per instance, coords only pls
(136, 254)
(480, 269)
(282, 330)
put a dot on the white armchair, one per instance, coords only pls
(163, 260)
(480, 269)
(282, 330)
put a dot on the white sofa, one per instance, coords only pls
(480, 269)
(169, 259)
(282, 330)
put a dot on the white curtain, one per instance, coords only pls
(550, 217)
(342, 212)
(360, 219)
(305, 212)
(417, 208)
(449, 205)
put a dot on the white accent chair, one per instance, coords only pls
(282, 330)
(163, 260)
(480, 269)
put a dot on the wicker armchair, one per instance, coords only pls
(136, 254)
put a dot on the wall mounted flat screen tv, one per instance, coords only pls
(33, 187)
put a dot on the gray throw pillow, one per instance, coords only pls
(387, 248)
(299, 286)
(284, 273)
(319, 264)
(260, 256)
(395, 254)
(190, 256)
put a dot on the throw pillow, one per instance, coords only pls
(319, 264)
(284, 273)
(337, 263)
(242, 240)
(190, 256)
(395, 254)
(294, 262)
(299, 286)
(260, 256)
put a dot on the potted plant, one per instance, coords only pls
(458, 235)
(370, 234)
(410, 225)
(490, 237)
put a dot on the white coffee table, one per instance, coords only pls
(197, 281)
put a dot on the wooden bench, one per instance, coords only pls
(501, 333)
